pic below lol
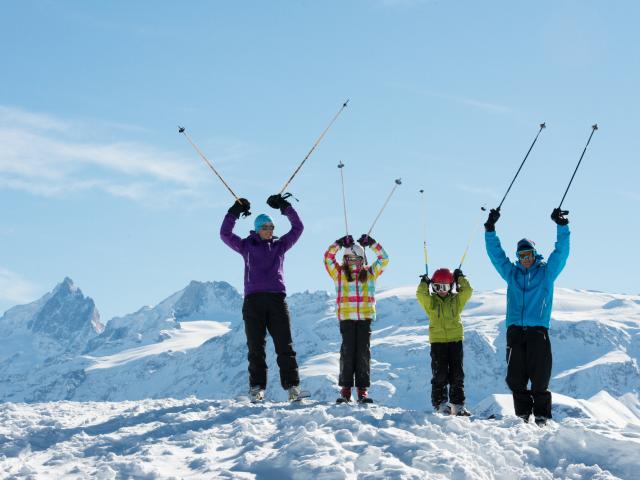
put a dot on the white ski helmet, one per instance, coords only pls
(354, 250)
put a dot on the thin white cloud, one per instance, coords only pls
(11, 117)
(39, 156)
(487, 192)
(481, 104)
(15, 289)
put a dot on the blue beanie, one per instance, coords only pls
(261, 220)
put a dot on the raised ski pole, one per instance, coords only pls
(206, 160)
(344, 201)
(424, 235)
(344, 105)
(542, 125)
(593, 130)
(397, 182)
(471, 237)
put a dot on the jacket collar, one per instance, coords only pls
(256, 238)
(536, 264)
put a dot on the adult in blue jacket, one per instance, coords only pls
(529, 301)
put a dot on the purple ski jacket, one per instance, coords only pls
(263, 259)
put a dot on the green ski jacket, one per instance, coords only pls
(444, 312)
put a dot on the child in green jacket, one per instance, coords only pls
(443, 307)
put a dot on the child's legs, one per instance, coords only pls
(439, 373)
(347, 352)
(363, 353)
(456, 373)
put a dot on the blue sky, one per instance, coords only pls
(96, 184)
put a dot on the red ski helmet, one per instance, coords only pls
(442, 275)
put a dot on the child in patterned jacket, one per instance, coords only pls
(355, 308)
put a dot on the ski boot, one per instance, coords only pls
(525, 417)
(443, 409)
(296, 394)
(345, 395)
(541, 420)
(362, 395)
(256, 394)
(460, 410)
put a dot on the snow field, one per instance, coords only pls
(191, 438)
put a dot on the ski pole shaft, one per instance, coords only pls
(542, 126)
(593, 130)
(397, 182)
(344, 201)
(424, 235)
(206, 160)
(471, 237)
(344, 105)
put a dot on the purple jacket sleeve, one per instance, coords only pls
(227, 235)
(292, 236)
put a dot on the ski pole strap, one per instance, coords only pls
(344, 105)
(593, 130)
(397, 182)
(542, 125)
(206, 160)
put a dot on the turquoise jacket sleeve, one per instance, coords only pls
(497, 255)
(558, 258)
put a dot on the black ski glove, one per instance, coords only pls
(490, 224)
(365, 240)
(240, 206)
(425, 279)
(346, 241)
(278, 201)
(457, 273)
(558, 216)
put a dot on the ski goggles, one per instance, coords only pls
(352, 260)
(441, 287)
(524, 255)
(267, 227)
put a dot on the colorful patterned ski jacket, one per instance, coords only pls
(529, 290)
(355, 300)
(445, 324)
(263, 259)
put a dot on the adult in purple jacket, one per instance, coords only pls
(265, 307)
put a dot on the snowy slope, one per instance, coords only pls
(189, 354)
(193, 343)
(196, 438)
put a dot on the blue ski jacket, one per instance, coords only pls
(529, 291)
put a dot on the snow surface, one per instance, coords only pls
(155, 394)
(197, 438)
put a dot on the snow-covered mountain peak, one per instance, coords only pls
(66, 314)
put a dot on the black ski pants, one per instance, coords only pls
(447, 373)
(264, 312)
(529, 359)
(355, 353)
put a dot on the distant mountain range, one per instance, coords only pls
(193, 344)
